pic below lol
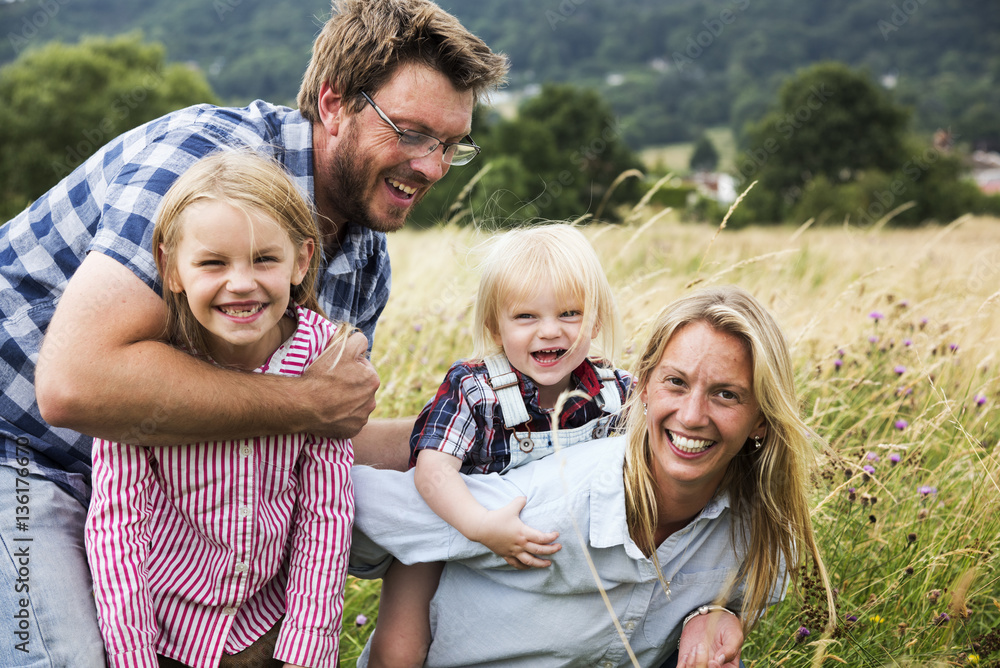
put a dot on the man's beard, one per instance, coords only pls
(353, 185)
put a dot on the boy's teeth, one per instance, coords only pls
(690, 445)
(405, 188)
(240, 313)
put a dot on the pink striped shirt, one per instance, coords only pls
(199, 549)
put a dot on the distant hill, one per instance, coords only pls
(668, 68)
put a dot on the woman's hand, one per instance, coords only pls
(503, 532)
(711, 641)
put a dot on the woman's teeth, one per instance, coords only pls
(689, 445)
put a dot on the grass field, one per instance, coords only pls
(895, 340)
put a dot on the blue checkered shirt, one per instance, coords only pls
(107, 205)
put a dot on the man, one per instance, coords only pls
(385, 108)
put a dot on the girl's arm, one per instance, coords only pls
(117, 540)
(502, 531)
(321, 545)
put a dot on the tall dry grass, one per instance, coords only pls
(894, 336)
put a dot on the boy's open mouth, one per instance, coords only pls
(548, 356)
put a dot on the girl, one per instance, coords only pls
(208, 550)
(543, 297)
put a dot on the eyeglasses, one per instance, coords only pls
(417, 145)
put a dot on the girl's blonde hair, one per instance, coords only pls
(766, 485)
(248, 182)
(521, 262)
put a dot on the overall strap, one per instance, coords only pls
(503, 380)
(609, 399)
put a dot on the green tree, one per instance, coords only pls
(62, 103)
(830, 121)
(705, 157)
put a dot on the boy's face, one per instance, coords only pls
(538, 335)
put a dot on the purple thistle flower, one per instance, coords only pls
(851, 618)
(953, 347)
(361, 620)
(903, 304)
(418, 327)
(901, 424)
(801, 634)
(899, 369)
(926, 490)
(869, 469)
(875, 315)
(893, 459)
(907, 342)
(872, 457)
(837, 363)
(872, 339)
(980, 399)
(840, 352)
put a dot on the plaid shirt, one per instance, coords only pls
(107, 205)
(464, 418)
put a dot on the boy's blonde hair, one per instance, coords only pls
(248, 182)
(521, 262)
(766, 485)
(365, 41)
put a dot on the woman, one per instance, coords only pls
(701, 503)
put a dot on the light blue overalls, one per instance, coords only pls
(526, 446)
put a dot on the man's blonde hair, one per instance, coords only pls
(557, 257)
(365, 41)
(766, 485)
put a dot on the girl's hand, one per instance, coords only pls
(711, 641)
(503, 532)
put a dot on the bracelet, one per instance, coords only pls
(703, 610)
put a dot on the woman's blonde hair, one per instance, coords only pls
(766, 485)
(365, 41)
(521, 262)
(248, 182)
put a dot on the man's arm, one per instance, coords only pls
(104, 371)
(384, 443)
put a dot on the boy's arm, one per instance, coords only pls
(117, 541)
(441, 486)
(320, 547)
(104, 349)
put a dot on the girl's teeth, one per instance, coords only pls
(689, 445)
(240, 313)
(405, 188)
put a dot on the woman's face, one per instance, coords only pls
(701, 408)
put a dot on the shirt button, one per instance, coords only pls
(229, 611)
(241, 567)
(608, 664)
(630, 626)
(245, 450)
(244, 511)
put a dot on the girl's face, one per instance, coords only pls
(538, 334)
(237, 270)
(701, 408)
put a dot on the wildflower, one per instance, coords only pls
(973, 659)
(923, 322)
(361, 620)
(907, 342)
(926, 490)
(876, 619)
(911, 538)
(851, 495)
(847, 475)
(840, 352)
(953, 347)
(869, 469)
(801, 634)
(872, 519)
(899, 369)
(893, 459)
(851, 618)
(872, 457)
(875, 315)
(943, 618)
(901, 424)
(872, 339)
(837, 363)
(922, 514)
(903, 304)
(933, 595)
(980, 399)
(418, 327)
(908, 570)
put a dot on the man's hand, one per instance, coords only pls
(343, 384)
(711, 641)
(506, 535)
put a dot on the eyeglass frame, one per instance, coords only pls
(409, 133)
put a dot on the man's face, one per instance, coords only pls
(368, 180)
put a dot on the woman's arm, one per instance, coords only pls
(438, 480)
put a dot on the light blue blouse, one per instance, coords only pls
(486, 613)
